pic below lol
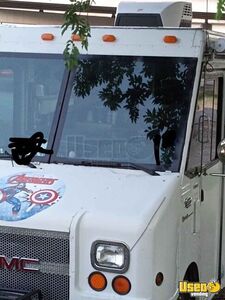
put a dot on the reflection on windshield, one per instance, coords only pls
(128, 109)
(29, 90)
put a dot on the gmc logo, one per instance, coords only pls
(19, 264)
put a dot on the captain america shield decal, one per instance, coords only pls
(44, 197)
(25, 194)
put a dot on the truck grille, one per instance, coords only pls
(50, 247)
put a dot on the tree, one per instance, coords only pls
(220, 8)
(79, 26)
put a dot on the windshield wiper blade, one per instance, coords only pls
(115, 164)
(139, 167)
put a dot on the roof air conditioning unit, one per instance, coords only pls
(154, 14)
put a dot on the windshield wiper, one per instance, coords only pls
(113, 164)
(138, 167)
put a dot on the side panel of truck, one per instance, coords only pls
(203, 194)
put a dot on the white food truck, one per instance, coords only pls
(125, 200)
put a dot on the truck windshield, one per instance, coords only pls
(127, 109)
(119, 110)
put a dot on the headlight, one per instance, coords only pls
(110, 256)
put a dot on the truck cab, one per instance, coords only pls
(124, 195)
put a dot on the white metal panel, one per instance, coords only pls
(129, 41)
(111, 192)
(171, 13)
(147, 254)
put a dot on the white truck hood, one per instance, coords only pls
(51, 196)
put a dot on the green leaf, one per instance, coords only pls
(77, 24)
(220, 9)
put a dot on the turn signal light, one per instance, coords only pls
(75, 37)
(170, 39)
(47, 37)
(97, 281)
(109, 38)
(121, 285)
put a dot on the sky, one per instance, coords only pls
(198, 5)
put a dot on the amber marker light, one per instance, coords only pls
(109, 38)
(47, 37)
(97, 281)
(75, 37)
(170, 39)
(121, 285)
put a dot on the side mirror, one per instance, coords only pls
(221, 156)
(221, 151)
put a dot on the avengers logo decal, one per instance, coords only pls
(24, 195)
